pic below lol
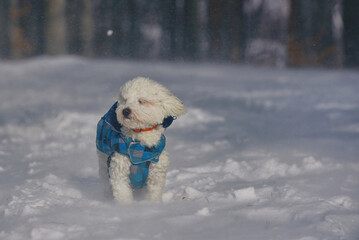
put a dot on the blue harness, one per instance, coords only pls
(110, 139)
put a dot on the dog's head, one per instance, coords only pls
(144, 103)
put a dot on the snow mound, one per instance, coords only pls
(39, 195)
(245, 195)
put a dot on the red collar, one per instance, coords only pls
(144, 129)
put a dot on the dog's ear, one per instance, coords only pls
(173, 106)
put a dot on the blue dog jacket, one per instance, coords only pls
(110, 139)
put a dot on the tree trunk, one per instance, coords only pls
(79, 26)
(233, 30)
(117, 36)
(168, 23)
(324, 45)
(190, 40)
(351, 32)
(35, 23)
(214, 27)
(87, 28)
(5, 28)
(16, 32)
(56, 27)
(299, 54)
(311, 41)
(134, 38)
(73, 26)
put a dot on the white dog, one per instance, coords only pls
(130, 139)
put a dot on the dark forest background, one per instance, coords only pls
(319, 33)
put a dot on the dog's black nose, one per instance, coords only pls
(126, 112)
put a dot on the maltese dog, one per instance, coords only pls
(130, 141)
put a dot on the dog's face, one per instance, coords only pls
(144, 103)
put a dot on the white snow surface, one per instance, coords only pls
(261, 154)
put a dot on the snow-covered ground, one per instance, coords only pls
(261, 154)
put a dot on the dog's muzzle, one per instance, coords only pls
(126, 112)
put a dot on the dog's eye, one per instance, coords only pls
(141, 101)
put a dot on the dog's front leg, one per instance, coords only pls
(119, 178)
(157, 178)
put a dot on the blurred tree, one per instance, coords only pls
(176, 29)
(351, 32)
(225, 29)
(5, 28)
(172, 25)
(299, 44)
(326, 51)
(117, 36)
(55, 27)
(27, 28)
(79, 26)
(252, 20)
(16, 30)
(134, 36)
(22, 24)
(180, 32)
(214, 27)
(34, 25)
(310, 40)
(86, 27)
(73, 26)
(169, 25)
(102, 15)
(190, 35)
(233, 34)
(117, 28)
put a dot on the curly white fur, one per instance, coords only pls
(149, 103)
